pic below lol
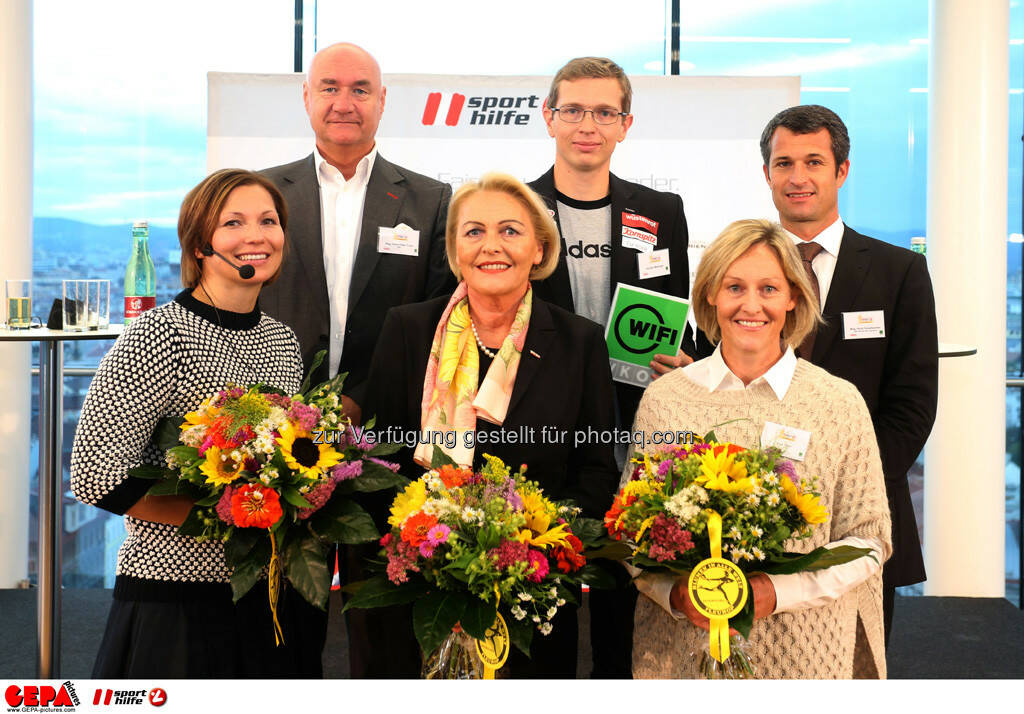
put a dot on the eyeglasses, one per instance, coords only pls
(574, 115)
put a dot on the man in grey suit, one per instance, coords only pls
(364, 235)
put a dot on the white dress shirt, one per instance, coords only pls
(341, 215)
(824, 263)
(798, 591)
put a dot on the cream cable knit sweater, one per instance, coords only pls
(837, 641)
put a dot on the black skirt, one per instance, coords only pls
(210, 637)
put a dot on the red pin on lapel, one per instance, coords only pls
(393, 195)
(534, 354)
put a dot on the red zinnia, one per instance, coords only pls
(416, 527)
(253, 506)
(618, 506)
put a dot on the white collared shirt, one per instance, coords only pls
(798, 591)
(341, 216)
(824, 263)
(714, 374)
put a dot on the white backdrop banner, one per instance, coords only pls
(695, 136)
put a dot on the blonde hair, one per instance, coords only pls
(544, 227)
(591, 68)
(737, 238)
(200, 212)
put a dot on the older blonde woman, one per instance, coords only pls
(493, 362)
(752, 296)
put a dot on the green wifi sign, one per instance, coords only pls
(641, 324)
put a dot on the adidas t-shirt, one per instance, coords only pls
(586, 229)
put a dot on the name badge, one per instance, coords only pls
(639, 232)
(791, 441)
(400, 240)
(864, 325)
(653, 264)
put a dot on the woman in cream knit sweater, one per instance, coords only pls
(752, 294)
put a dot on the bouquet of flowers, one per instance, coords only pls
(269, 473)
(486, 557)
(713, 512)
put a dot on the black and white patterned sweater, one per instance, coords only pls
(166, 363)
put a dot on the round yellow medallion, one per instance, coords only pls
(718, 588)
(493, 648)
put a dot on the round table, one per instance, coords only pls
(51, 413)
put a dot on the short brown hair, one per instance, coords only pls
(737, 238)
(591, 68)
(200, 212)
(544, 226)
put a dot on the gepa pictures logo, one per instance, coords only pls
(489, 110)
(41, 697)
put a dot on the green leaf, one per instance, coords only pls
(588, 530)
(165, 487)
(385, 449)
(520, 632)
(193, 525)
(318, 359)
(150, 472)
(597, 577)
(440, 459)
(710, 436)
(434, 615)
(168, 432)
(240, 543)
(210, 500)
(306, 568)
(184, 454)
(743, 621)
(247, 572)
(478, 616)
(375, 478)
(344, 521)
(381, 592)
(613, 550)
(817, 559)
(295, 498)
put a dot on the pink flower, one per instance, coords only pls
(540, 565)
(508, 553)
(426, 550)
(223, 506)
(317, 497)
(668, 539)
(346, 470)
(437, 535)
(381, 462)
(401, 559)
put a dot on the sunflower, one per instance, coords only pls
(407, 502)
(537, 510)
(219, 469)
(302, 455)
(808, 504)
(720, 471)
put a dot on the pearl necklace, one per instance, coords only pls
(479, 342)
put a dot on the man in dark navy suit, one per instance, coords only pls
(879, 309)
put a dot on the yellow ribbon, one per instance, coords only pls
(274, 587)
(719, 625)
(488, 670)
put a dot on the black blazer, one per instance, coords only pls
(897, 375)
(661, 206)
(299, 297)
(564, 381)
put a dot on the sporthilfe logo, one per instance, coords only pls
(486, 111)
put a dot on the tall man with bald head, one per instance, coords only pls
(365, 235)
(879, 309)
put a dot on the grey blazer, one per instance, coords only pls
(299, 296)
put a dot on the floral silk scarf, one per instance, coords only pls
(453, 394)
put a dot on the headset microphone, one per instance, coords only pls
(244, 271)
